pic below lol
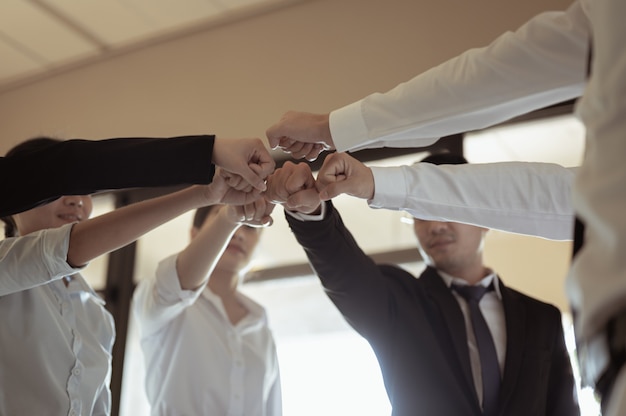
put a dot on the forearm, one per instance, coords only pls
(524, 198)
(197, 261)
(540, 64)
(108, 232)
(104, 165)
(350, 277)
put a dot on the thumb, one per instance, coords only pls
(332, 190)
(272, 139)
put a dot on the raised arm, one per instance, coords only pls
(351, 279)
(540, 64)
(100, 235)
(196, 262)
(97, 236)
(125, 163)
(519, 197)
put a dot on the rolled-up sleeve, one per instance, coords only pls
(160, 299)
(34, 259)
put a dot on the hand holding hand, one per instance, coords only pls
(343, 174)
(303, 135)
(293, 186)
(246, 159)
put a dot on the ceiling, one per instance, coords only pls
(42, 37)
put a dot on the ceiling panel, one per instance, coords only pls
(15, 61)
(118, 22)
(112, 22)
(167, 14)
(40, 36)
(44, 38)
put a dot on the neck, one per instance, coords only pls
(224, 283)
(471, 275)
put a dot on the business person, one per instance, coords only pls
(207, 346)
(422, 330)
(49, 171)
(56, 336)
(554, 57)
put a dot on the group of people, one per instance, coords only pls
(455, 341)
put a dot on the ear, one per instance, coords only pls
(193, 232)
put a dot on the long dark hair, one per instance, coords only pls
(36, 143)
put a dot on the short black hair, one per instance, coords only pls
(445, 158)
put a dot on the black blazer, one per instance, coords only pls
(417, 331)
(81, 167)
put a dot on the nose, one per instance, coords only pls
(74, 200)
(437, 227)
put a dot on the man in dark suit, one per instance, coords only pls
(423, 332)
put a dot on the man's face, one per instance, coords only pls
(65, 210)
(449, 246)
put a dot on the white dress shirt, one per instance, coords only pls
(197, 362)
(542, 63)
(493, 311)
(518, 197)
(55, 340)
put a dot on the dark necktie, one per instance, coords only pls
(490, 368)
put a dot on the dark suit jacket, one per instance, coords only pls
(81, 167)
(417, 331)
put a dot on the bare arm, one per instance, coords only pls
(196, 262)
(94, 237)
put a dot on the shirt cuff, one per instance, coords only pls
(308, 217)
(389, 187)
(347, 127)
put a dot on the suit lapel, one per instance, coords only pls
(454, 322)
(515, 319)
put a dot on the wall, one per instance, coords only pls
(237, 79)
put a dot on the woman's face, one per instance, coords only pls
(65, 210)
(239, 251)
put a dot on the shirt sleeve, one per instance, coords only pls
(34, 259)
(541, 64)
(517, 197)
(104, 165)
(159, 300)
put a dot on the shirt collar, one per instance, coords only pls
(486, 281)
(256, 312)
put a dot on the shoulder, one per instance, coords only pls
(534, 305)
(397, 274)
